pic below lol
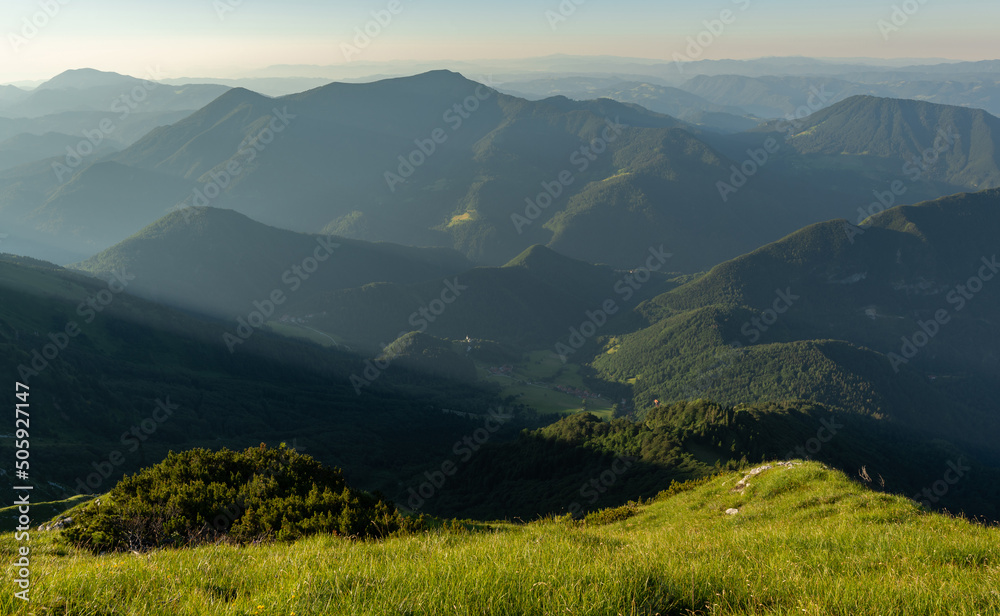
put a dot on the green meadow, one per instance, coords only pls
(805, 540)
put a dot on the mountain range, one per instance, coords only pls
(375, 269)
(84, 90)
(79, 117)
(462, 166)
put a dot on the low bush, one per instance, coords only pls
(259, 494)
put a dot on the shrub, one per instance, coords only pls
(610, 516)
(260, 494)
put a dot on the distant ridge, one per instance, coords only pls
(218, 262)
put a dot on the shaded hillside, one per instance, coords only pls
(892, 319)
(219, 262)
(116, 382)
(429, 357)
(26, 148)
(529, 303)
(82, 207)
(949, 144)
(674, 102)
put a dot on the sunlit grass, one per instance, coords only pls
(460, 218)
(805, 541)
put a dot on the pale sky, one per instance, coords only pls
(232, 38)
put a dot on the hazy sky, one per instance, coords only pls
(224, 38)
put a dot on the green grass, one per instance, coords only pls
(543, 365)
(805, 541)
(543, 369)
(549, 401)
(40, 511)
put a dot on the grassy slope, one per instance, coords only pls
(543, 370)
(806, 540)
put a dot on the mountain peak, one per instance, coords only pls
(543, 262)
(440, 78)
(861, 103)
(238, 95)
(537, 256)
(198, 217)
(81, 78)
(441, 73)
(900, 131)
(436, 84)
